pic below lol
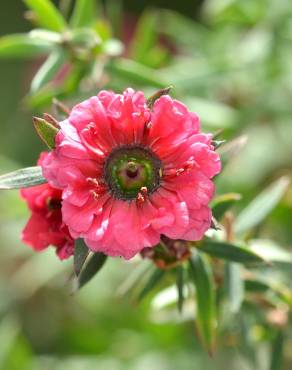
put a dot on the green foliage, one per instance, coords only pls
(84, 13)
(46, 131)
(90, 269)
(47, 15)
(22, 178)
(230, 252)
(201, 273)
(81, 253)
(49, 68)
(260, 207)
(22, 46)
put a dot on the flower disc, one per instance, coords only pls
(130, 168)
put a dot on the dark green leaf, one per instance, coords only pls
(222, 203)
(234, 286)
(259, 286)
(48, 69)
(218, 143)
(46, 131)
(256, 286)
(81, 253)
(24, 178)
(152, 99)
(22, 46)
(84, 13)
(261, 206)
(201, 274)
(154, 279)
(230, 252)
(92, 267)
(180, 287)
(277, 354)
(47, 15)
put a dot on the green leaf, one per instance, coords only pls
(152, 99)
(81, 253)
(48, 69)
(85, 38)
(261, 206)
(234, 286)
(84, 13)
(180, 287)
(277, 352)
(271, 251)
(222, 203)
(281, 291)
(154, 279)
(46, 131)
(22, 46)
(47, 14)
(24, 178)
(229, 252)
(145, 36)
(136, 72)
(256, 286)
(232, 148)
(92, 267)
(201, 274)
(41, 34)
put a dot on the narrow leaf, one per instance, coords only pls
(48, 16)
(232, 148)
(222, 203)
(41, 34)
(81, 253)
(277, 355)
(84, 13)
(136, 72)
(24, 178)
(261, 206)
(46, 131)
(93, 266)
(145, 36)
(180, 287)
(218, 143)
(48, 69)
(152, 99)
(22, 46)
(256, 286)
(151, 283)
(230, 252)
(234, 286)
(201, 273)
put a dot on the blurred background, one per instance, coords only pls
(227, 60)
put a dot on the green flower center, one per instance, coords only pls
(130, 168)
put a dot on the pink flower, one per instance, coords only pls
(45, 226)
(130, 174)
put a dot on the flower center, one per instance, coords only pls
(130, 168)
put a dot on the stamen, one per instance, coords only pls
(140, 199)
(177, 172)
(99, 188)
(144, 191)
